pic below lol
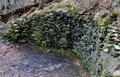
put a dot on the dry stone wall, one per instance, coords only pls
(47, 29)
(99, 48)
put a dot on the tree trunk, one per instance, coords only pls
(12, 2)
(40, 4)
(1, 4)
(5, 6)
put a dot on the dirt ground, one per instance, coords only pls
(24, 61)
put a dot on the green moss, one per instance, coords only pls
(105, 21)
(108, 19)
(118, 1)
(72, 8)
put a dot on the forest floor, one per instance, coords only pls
(24, 61)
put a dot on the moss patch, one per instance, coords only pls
(108, 19)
